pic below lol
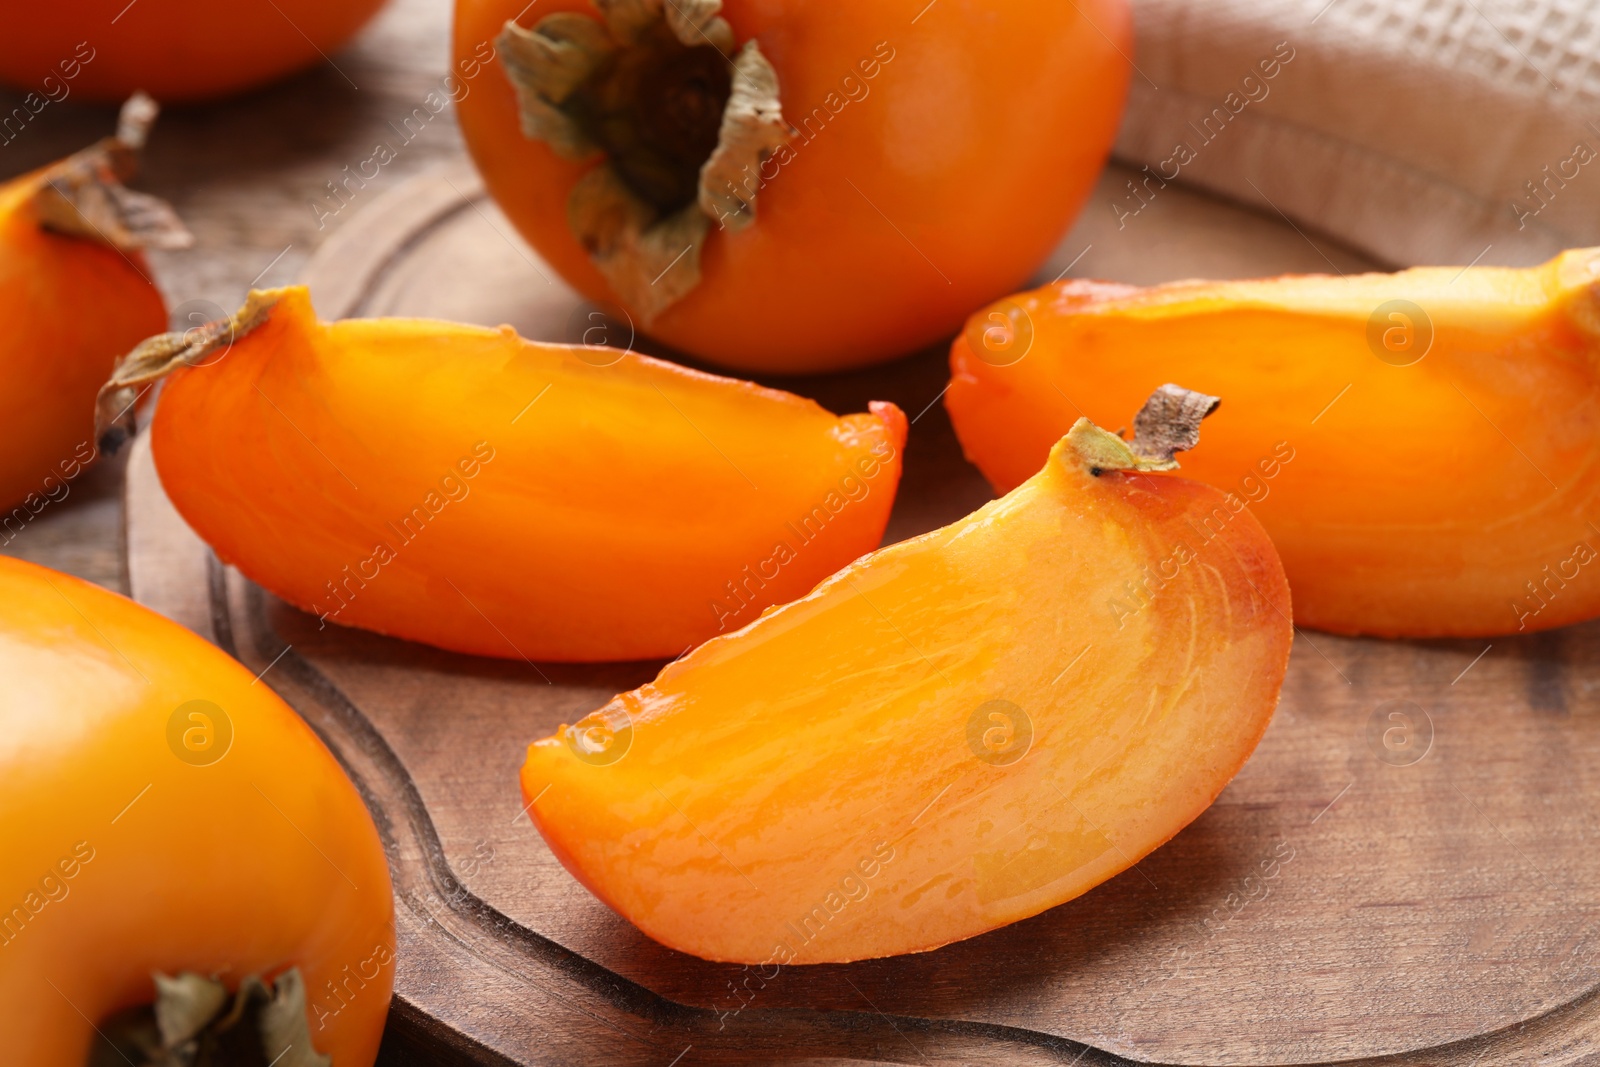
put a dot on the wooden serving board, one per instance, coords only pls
(1406, 890)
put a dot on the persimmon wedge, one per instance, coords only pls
(1423, 447)
(951, 734)
(469, 489)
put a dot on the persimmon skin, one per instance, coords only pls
(71, 306)
(1453, 497)
(826, 756)
(633, 511)
(175, 50)
(191, 866)
(947, 184)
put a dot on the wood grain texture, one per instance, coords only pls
(1431, 907)
(476, 986)
(1339, 902)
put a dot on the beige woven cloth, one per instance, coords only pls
(1418, 131)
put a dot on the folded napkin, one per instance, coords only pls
(1418, 131)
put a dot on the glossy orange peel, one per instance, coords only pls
(787, 186)
(75, 293)
(163, 813)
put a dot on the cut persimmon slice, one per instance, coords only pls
(466, 488)
(1423, 447)
(948, 735)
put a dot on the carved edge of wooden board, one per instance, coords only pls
(547, 1004)
(552, 1005)
(351, 263)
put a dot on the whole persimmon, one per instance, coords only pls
(176, 838)
(788, 186)
(75, 293)
(171, 49)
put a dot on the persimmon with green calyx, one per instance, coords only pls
(174, 49)
(463, 487)
(75, 293)
(179, 846)
(790, 186)
(951, 734)
(1423, 447)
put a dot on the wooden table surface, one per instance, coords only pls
(251, 177)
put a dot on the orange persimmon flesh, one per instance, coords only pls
(466, 488)
(948, 735)
(1423, 447)
(161, 812)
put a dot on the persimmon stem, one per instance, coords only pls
(1168, 423)
(196, 1022)
(115, 414)
(679, 119)
(83, 195)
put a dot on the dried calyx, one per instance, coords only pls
(156, 357)
(83, 195)
(681, 117)
(195, 1022)
(1168, 423)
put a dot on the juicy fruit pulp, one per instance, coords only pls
(950, 734)
(163, 812)
(469, 489)
(1423, 447)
